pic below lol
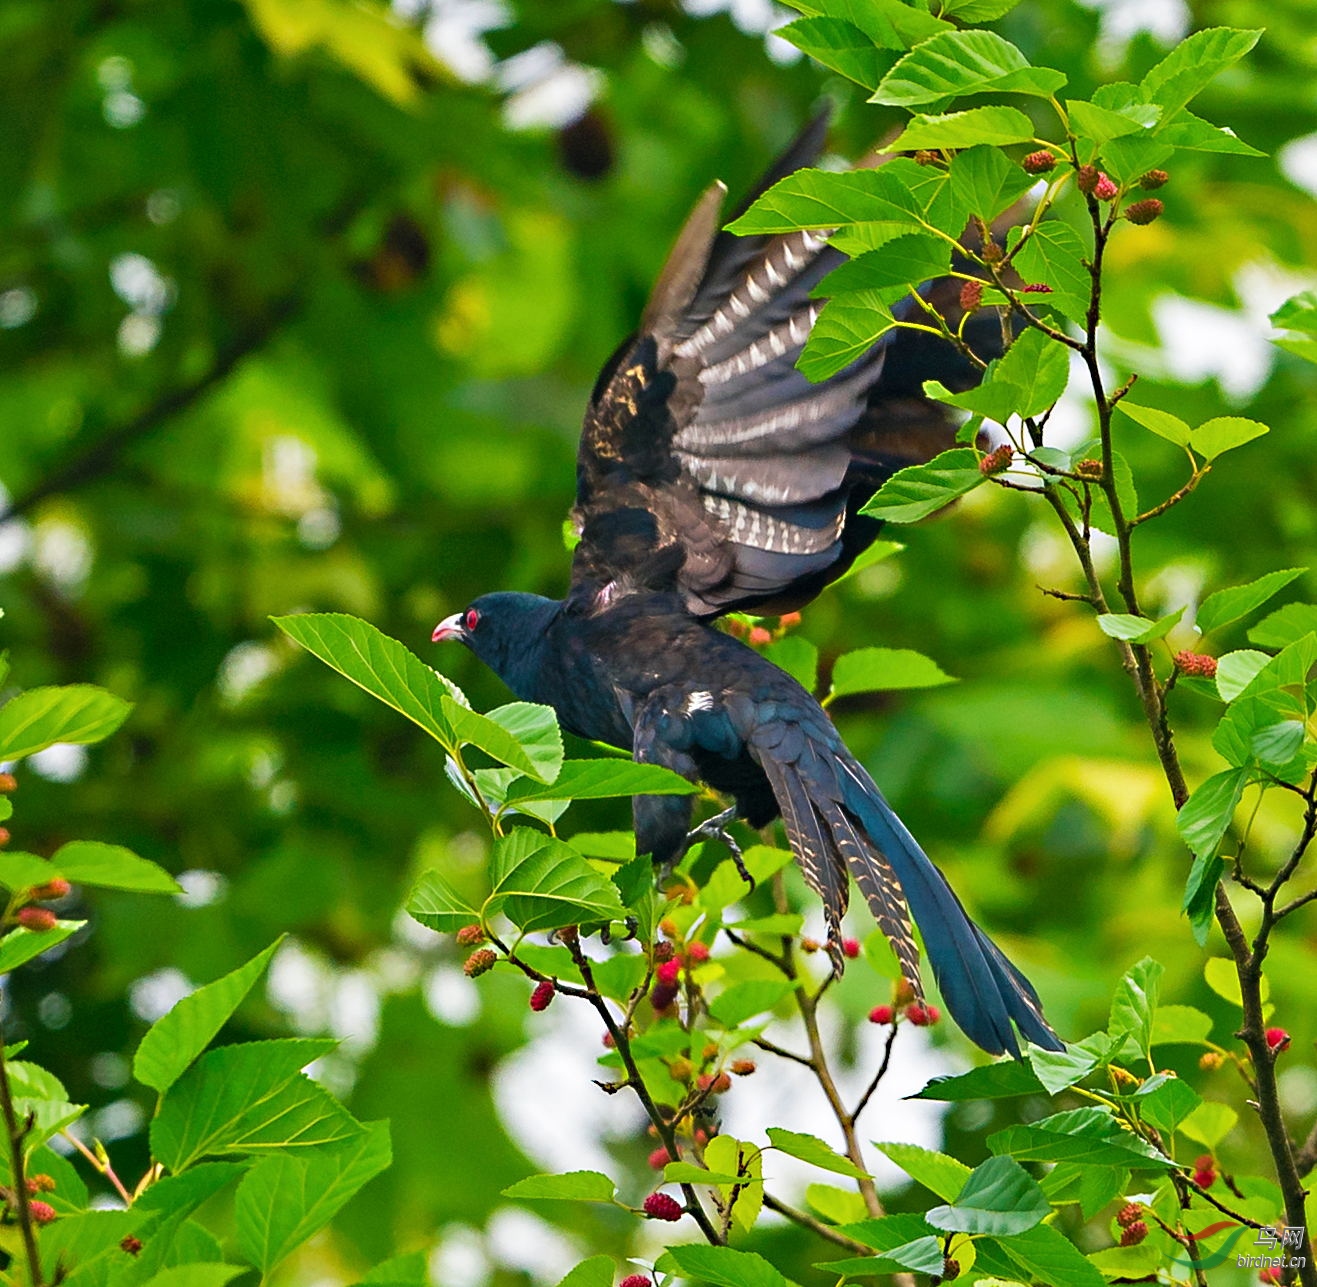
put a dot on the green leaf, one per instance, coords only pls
(721, 1266)
(923, 1255)
(1058, 1070)
(481, 731)
(1027, 380)
(1046, 1255)
(1091, 1186)
(1209, 1123)
(837, 1206)
(380, 665)
(999, 1197)
(412, 1269)
(798, 657)
(1135, 1001)
(1235, 671)
(536, 729)
(1276, 745)
(991, 125)
(808, 1148)
(689, 1173)
(874, 670)
(21, 945)
(1192, 64)
(1101, 124)
(1165, 1101)
(602, 779)
(595, 1272)
(1207, 814)
(1221, 976)
(246, 1099)
(1225, 606)
(839, 45)
(893, 270)
(41, 1100)
(1037, 368)
(878, 552)
(177, 1038)
(944, 1175)
(979, 10)
(41, 717)
(920, 490)
(1002, 1080)
(1162, 423)
(742, 1001)
(1224, 433)
(542, 883)
(88, 1240)
(89, 862)
(1120, 625)
(848, 327)
(1054, 253)
(1088, 1135)
(1197, 135)
(1298, 313)
(831, 199)
(286, 1198)
(954, 63)
(1199, 901)
(1135, 154)
(1281, 628)
(987, 182)
(20, 871)
(885, 1233)
(574, 1186)
(437, 905)
(1180, 1025)
(197, 1274)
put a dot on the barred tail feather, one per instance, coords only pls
(982, 989)
(822, 867)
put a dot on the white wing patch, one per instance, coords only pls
(701, 700)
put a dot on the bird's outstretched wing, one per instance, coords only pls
(708, 464)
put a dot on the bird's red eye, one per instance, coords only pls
(472, 619)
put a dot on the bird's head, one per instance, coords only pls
(506, 631)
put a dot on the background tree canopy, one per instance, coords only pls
(301, 304)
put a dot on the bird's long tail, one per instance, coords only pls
(850, 826)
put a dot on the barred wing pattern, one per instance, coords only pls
(708, 464)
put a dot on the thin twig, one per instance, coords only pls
(103, 1167)
(878, 1076)
(807, 1221)
(622, 1044)
(18, 1167)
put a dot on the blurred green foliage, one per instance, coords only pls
(294, 317)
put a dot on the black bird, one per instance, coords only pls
(713, 477)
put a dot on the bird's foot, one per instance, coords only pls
(715, 828)
(632, 931)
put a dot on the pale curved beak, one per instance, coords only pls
(449, 628)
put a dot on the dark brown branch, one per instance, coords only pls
(17, 1132)
(622, 1044)
(877, 1077)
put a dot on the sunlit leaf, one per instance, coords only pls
(41, 717)
(963, 62)
(180, 1035)
(573, 1186)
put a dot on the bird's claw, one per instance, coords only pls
(715, 828)
(632, 924)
